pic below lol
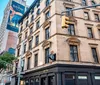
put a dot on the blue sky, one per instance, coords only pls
(3, 5)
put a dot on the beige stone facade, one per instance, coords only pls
(60, 40)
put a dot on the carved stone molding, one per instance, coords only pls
(46, 44)
(31, 24)
(28, 53)
(73, 40)
(72, 19)
(98, 25)
(46, 23)
(67, 4)
(30, 37)
(47, 8)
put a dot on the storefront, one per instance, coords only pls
(62, 74)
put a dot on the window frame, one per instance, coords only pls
(95, 58)
(90, 35)
(36, 60)
(71, 30)
(74, 53)
(86, 17)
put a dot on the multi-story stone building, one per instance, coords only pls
(76, 49)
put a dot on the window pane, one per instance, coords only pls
(90, 34)
(96, 17)
(84, 2)
(71, 29)
(47, 53)
(73, 53)
(86, 15)
(28, 63)
(36, 60)
(69, 13)
(47, 33)
(47, 15)
(94, 53)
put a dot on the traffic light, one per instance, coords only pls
(65, 21)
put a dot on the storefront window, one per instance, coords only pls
(97, 79)
(69, 79)
(82, 80)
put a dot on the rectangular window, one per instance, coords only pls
(73, 53)
(36, 60)
(18, 52)
(93, 2)
(20, 39)
(30, 44)
(90, 34)
(84, 3)
(26, 23)
(86, 15)
(38, 11)
(47, 33)
(96, 17)
(38, 24)
(25, 35)
(16, 67)
(32, 18)
(23, 62)
(94, 53)
(37, 40)
(24, 48)
(47, 15)
(21, 29)
(31, 30)
(69, 13)
(71, 29)
(99, 32)
(47, 2)
(47, 53)
(28, 63)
